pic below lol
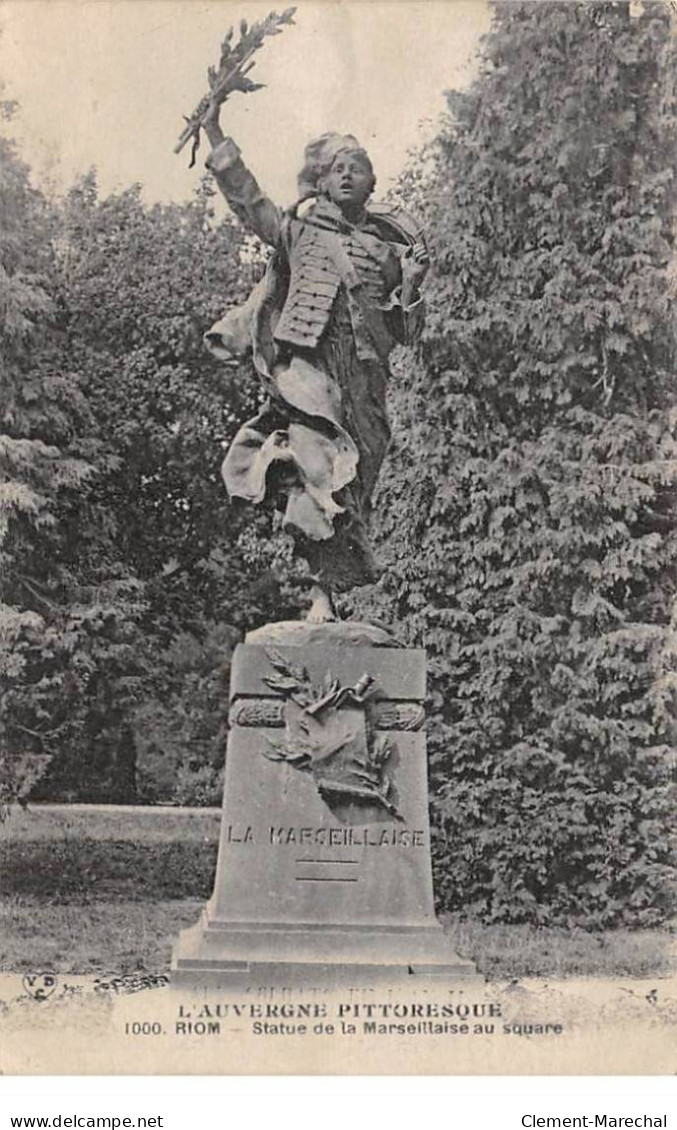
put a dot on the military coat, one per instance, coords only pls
(322, 324)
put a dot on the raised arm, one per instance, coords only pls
(239, 186)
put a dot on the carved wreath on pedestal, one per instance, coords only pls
(329, 734)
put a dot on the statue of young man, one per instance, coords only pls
(341, 290)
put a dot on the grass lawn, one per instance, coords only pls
(126, 937)
(94, 889)
(506, 951)
(60, 822)
(95, 937)
(97, 853)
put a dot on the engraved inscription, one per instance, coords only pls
(239, 834)
(348, 837)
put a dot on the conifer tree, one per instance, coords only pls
(528, 518)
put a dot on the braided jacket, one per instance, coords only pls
(320, 325)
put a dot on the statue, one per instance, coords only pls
(341, 289)
(326, 760)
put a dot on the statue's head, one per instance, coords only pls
(336, 166)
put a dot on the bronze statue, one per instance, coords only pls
(341, 289)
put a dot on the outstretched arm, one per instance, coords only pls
(238, 185)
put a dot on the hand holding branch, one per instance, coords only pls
(231, 74)
(415, 267)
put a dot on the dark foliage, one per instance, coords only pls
(68, 603)
(528, 517)
(130, 577)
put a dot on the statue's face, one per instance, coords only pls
(350, 180)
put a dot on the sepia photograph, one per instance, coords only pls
(338, 540)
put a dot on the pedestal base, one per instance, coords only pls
(324, 870)
(212, 957)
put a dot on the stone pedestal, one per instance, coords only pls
(324, 871)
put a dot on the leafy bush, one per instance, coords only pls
(181, 731)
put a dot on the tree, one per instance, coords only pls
(52, 605)
(528, 519)
(139, 287)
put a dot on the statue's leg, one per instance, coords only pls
(322, 608)
(340, 563)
